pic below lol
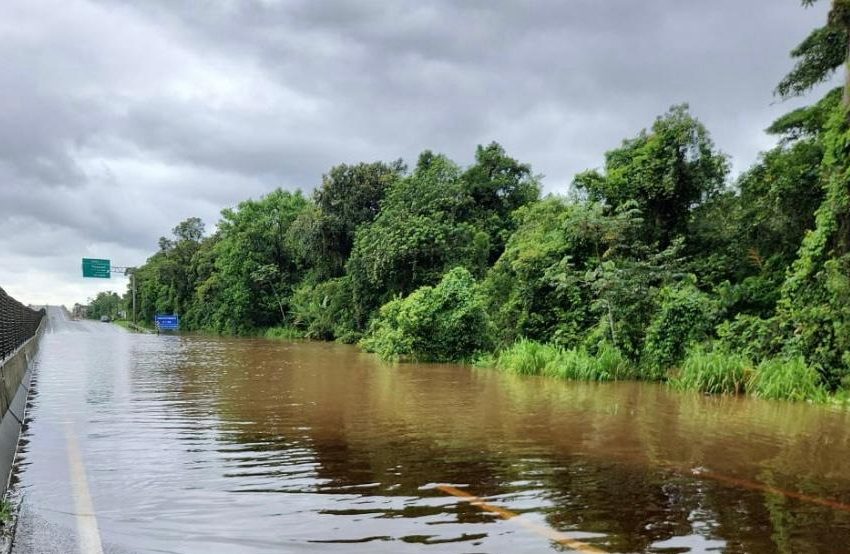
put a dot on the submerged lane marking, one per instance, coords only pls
(86, 520)
(755, 486)
(549, 533)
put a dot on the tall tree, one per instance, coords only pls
(255, 266)
(166, 282)
(815, 305)
(668, 171)
(498, 185)
(821, 53)
(349, 196)
(420, 233)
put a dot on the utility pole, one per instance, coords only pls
(132, 272)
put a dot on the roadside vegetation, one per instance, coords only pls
(7, 511)
(658, 266)
(284, 333)
(108, 304)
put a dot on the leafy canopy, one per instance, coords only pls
(667, 171)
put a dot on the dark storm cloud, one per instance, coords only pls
(446, 75)
(118, 119)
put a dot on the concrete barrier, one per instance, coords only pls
(15, 378)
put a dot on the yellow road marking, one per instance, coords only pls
(549, 533)
(755, 486)
(89, 536)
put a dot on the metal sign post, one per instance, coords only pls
(129, 272)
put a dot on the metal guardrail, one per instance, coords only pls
(18, 324)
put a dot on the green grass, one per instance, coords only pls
(714, 372)
(527, 357)
(711, 372)
(787, 379)
(840, 398)
(722, 372)
(130, 326)
(284, 333)
(611, 363)
(7, 511)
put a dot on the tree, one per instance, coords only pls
(166, 282)
(498, 185)
(349, 196)
(255, 268)
(447, 322)
(820, 54)
(814, 309)
(419, 234)
(668, 171)
(105, 304)
(537, 288)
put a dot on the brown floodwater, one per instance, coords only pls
(206, 444)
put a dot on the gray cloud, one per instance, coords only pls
(119, 119)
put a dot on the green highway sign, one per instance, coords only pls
(100, 269)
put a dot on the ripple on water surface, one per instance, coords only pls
(204, 444)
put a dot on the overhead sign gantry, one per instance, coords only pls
(97, 268)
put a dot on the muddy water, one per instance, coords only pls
(196, 444)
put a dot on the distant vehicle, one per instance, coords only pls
(105, 318)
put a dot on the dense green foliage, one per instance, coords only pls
(442, 323)
(657, 267)
(685, 316)
(666, 171)
(105, 304)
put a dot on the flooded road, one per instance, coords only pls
(144, 443)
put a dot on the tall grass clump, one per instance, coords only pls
(527, 357)
(611, 364)
(284, 333)
(787, 379)
(715, 372)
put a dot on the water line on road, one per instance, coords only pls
(89, 535)
(551, 534)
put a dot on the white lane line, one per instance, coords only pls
(89, 536)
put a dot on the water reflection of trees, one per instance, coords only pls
(609, 459)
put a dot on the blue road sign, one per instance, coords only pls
(167, 322)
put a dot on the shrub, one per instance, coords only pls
(753, 336)
(537, 288)
(447, 322)
(786, 378)
(716, 372)
(324, 310)
(684, 317)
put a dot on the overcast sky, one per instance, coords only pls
(119, 119)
